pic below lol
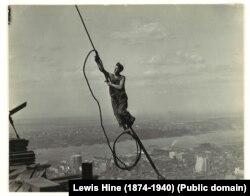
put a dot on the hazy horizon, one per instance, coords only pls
(109, 119)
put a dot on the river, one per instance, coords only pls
(101, 150)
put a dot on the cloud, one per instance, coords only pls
(188, 57)
(178, 57)
(186, 69)
(156, 59)
(173, 64)
(150, 72)
(139, 31)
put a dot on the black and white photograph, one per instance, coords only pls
(124, 92)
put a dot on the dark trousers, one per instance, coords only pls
(120, 105)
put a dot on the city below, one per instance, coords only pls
(201, 160)
(204, 161)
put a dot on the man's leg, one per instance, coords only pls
(126, 117)
(114, 102)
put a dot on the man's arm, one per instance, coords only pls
(118, 86)
(100, 66)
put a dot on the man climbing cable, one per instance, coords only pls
(119, 99)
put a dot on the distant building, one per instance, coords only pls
(172, 154)
(179, 156)
(76, 164)
(202, 164)
(176, 155)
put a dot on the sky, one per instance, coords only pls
(177, 58)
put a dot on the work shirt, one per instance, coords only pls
(116, 80)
